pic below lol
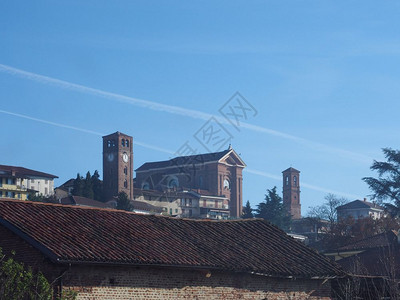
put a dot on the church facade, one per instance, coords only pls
(198, 186)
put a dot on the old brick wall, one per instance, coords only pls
(165, 283)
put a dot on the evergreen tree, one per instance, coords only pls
(87, 190)
(123, 202)
(387, 185)
(78, 186)
(97, 186)
(273, 210)
(247, 211)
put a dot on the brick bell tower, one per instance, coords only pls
(117, 165)
(291, 192)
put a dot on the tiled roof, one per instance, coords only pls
(143, 206)
(70, 234)
(380, 240)
(184, 160)
(83, 201)
(359, 204)
(24, 172)
(291, 170)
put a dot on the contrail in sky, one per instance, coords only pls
(145, 145)
(195, 114)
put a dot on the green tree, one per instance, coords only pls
(17, 282)
(123, 202)
(387, 186)
(247, 211)
(87, 189)
(273, 210)
(78, 186)
(97, 186)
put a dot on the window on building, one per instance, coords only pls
(109, 143)
(126, 171)
(1, 193)
(176, 210)
(113, 143)
(127, 143)
(227, 184)
(125, 184)
(19, 195)
(287, 180)
(13, 195)
(173, 183)
(170, 211)
(123, 142)
(295, 181)
(45, 190)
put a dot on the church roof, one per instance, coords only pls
(189, 160)
(73, 234)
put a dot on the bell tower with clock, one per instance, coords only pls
(117, 165)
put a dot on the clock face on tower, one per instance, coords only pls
(125, 157)
(110, 157)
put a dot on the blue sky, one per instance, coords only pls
(323, 77)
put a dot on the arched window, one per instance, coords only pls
(145, 186)
(127, 143)
(125, 183)
(123, 142)
(227, 184)
(108, 143)
(287, 180)
(295, 181)
(172, 182)
(126, 171)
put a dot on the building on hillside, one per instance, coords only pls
(359, 209)
(104, 254)
(198, 186)
(138, 206)
(18, 182)
(65, 189)
(291, 192)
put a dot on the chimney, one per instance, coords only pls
(365, 199)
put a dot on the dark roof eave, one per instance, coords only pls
(47, 252)
(197, 267)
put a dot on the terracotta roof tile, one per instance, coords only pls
(72, 234)
(24, 172)
(359, 204)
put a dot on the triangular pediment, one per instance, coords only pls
(232, 158)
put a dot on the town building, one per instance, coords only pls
(198, 186)
(18, 182)
(359, 209)
(112, 254)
